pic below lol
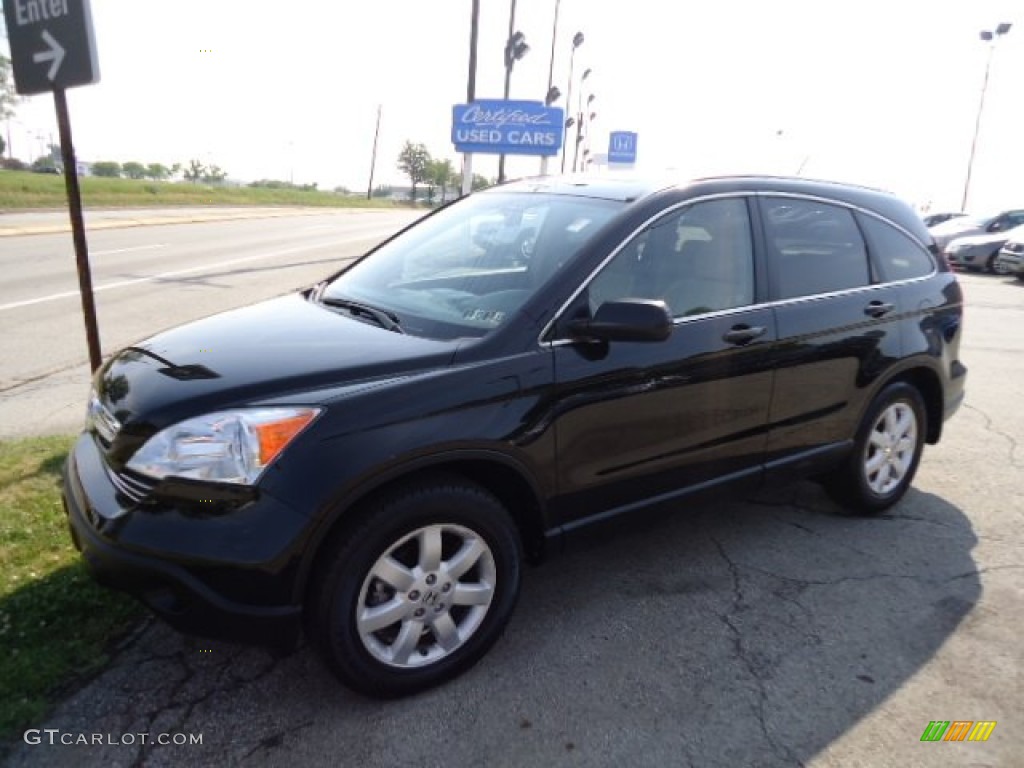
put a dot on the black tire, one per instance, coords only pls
(379, 662)
(1020, 276)
(861, 491)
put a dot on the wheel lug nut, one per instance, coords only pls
(431, 579)
(418, 612)
(440, 607)
(414, 595)
(446, 587)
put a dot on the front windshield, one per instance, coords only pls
(466, 270)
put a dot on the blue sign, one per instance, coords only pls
(497, 127)
(622, 147)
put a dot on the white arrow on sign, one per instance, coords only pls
(55, 54)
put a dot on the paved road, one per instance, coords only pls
(773, 632)
(146, 279)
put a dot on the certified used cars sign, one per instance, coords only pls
(507, 128)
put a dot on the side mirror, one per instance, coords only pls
(626, 320)
(995, 226)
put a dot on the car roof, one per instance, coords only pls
(626, 188)
(629, 188)
(622, 188)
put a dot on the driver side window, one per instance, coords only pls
(698, 259)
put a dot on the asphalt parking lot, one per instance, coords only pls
(769, 632)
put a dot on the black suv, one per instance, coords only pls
(374, 457)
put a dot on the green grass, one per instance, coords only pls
(23, 189)
(56, 625)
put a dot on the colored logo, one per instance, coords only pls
(622, 147)
(958, 730)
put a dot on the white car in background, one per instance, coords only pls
(965, 226)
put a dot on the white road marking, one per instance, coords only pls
(125, 250)
(191, 270)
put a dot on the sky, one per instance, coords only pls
(878, 92)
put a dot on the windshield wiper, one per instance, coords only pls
(383, 318)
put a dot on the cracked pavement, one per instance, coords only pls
(769, 632)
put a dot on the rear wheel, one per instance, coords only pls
(420, 591)
(886, 453)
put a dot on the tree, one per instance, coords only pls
(442, 174)
(44, 164)
(157, 171)
(414, 162)
(3, 145)
(194, 171)
(8, 96)
(175, 169)
(134, 170)
(107, 168)
(214, 175)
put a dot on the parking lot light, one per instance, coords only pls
(990, 37)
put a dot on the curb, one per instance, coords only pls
(55, 229)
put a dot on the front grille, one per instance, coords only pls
(133, 487)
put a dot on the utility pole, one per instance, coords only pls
(474, 30)
(373, 157)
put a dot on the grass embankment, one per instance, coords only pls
(56, 625)
(22, 189)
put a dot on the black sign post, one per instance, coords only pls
(53, 48)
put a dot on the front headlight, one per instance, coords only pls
(227, 447)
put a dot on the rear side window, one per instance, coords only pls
(816, 247)
(897, 256)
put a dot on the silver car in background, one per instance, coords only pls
(981, 252)
(1011, 257)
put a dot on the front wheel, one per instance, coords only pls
(420, 591)
(996, 267)
(886, 452)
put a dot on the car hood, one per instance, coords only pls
(993, 239)
(286, 349)
(955, 226)
(943, 236)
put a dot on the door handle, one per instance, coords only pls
(743, 334)
(879, 308)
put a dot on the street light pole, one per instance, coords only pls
(508, 74)
(577, 41)
(990, 38)
(515, 49)
(551, 77)
(579, 120)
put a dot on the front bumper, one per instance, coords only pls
(219, 573)
(1012, 262)
(966, 258)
